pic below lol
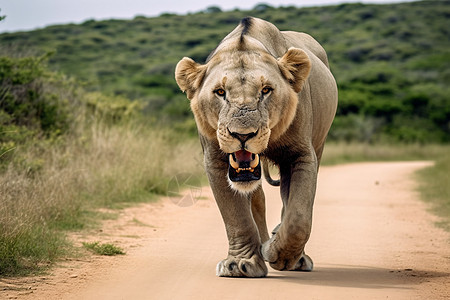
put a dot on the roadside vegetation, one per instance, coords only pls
(435, 188)
(91, 117)
(342, 152)
(391, 61)
(66, 152)
(104, 249)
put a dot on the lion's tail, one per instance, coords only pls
(267, 174)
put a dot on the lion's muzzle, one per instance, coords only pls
(244, 166)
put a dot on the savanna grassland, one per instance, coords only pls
(391, 62)
(66, 152)
(91, 116)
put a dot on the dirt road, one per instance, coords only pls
(372, 239)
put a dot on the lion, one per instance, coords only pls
(263, 96)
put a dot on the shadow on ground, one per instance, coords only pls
(358, 277)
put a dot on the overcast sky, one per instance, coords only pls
(32, 14)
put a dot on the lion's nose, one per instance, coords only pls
(243, 137)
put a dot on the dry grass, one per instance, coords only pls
(137, 161)
(59, 187)
(337, 153)
(108, 166)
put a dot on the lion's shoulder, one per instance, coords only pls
(306, 42)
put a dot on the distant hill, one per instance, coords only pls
(392, 62)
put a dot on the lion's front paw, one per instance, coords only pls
(304, 264)
(285, 258)
(242, 267)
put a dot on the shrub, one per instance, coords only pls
(355, 128)
(34, 102)
(111, 109)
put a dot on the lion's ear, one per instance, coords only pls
(189, 75)
(295, 67)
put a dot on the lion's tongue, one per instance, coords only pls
(243, 156)
(244, 166)
(243, 160)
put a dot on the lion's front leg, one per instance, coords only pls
(244, 254)
(285, 250)
(247, 262)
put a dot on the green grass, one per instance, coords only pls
(30, 249)
(339, 153)
(104, 249)
(435, 188)
(140, 223)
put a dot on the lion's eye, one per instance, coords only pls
(266, 90)
(220, 92)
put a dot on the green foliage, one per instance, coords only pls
(48, 185)
(213, 9)
(104, 249)
(25, 249)
(111, 109)
(355, 127)
(23, 99)
(64, 152)
(435, 188)
(343, 152)
(381, 56)
(34, 102)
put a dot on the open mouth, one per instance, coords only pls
(244, 166)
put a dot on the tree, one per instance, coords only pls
(213, 9)
(261, 7)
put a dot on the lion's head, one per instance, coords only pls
(245, 98)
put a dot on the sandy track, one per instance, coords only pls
(372, 239)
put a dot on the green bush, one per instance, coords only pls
(111, 109)
(356, 128)
(110, 157)
(35, 103)
(31, 95)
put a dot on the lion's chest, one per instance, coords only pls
(281, 155)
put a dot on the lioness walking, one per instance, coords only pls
(263, 95)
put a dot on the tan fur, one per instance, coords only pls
(289, 125)
(295, 66)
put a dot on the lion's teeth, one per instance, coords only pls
(233, 163)
(255, 162)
